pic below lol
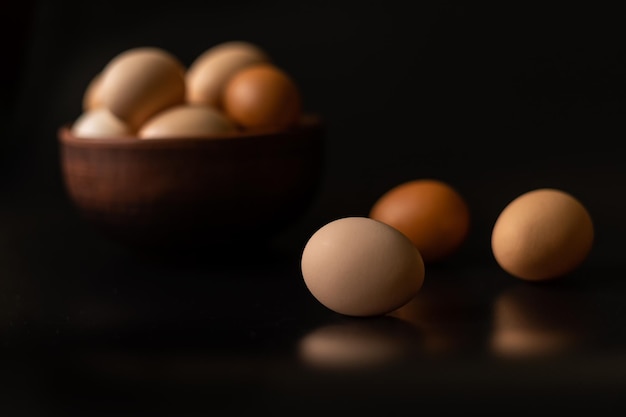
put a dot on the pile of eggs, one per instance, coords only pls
(148, 93)
(368, 266)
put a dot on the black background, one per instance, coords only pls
(496, 99)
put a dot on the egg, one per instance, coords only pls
(542, 234)
(92, 96)
(430, 212)
(207, 75)
(99, 123)
(140, 82)
(358, 266)
(263, 96)
(186, 121)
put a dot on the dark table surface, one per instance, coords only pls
(90, 327)
(494, 103)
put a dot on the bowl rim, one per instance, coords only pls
(308, 122)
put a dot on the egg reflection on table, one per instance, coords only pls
(533, 322)
(358, 344)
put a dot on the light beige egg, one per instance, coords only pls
(542, 234)
(358, 266)
(100, 123)
(140, 82)
(210, 71)
(184, 121)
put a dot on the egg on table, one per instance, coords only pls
(358, 266)
(542, 234)
(430, 212)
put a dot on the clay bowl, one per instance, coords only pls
(188, 191)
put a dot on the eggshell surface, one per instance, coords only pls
(542, 234)
(99, 123)
(208, 74)
(430, 212)
(92, 96)
(140, 82)
(186, 121)
(361, 267)
(262, 96)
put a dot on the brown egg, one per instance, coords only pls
(542, 234)
(361, 267)
(209, 73)
(262, 96)
(431, 213)
(140, 82)
(186, 121)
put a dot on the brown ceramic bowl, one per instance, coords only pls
(173, 192)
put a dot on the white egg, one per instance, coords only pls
(100, 123)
